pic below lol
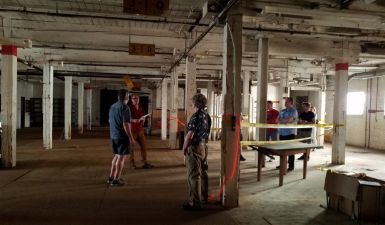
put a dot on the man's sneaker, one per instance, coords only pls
(117, 183)
(241, 158)
(109, 180)
(147, 166)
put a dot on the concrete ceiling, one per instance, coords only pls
(92, 36)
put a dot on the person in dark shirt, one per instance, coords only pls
(137, 114)
(121, 136)
(195, 151)
(272, 118)
(306, 117)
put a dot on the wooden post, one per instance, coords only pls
(246, 103)
(67, 107)
(191, 85)
(89, 107)
(339, 116)
(174, 111)
(321, 116)
(210, 104)
(47, 105)
(263, 55)
(164, 109)
(8, 105)
(284, 88)
(80, 106)
(230, 146)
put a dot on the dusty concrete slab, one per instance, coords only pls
(67, 186)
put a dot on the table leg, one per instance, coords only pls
(260, 158)
(282, 168)
(306, 155)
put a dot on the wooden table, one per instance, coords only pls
(283, 151)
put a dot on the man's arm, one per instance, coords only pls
(290, 119)
(187, 141)
(287, 120)
(127, 128)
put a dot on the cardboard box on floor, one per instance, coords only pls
(356, 195)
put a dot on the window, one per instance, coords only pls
(356, 103)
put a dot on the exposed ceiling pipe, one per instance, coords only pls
(304, 84)
(98, 16)
(213, 23)
(368, 75)
(102, 75)
(29, 64)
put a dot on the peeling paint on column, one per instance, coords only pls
(67, 107)
(47, 106)
(8, 105)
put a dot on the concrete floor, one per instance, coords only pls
(67, 186)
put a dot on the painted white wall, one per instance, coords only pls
(377, 128)
(355, 134)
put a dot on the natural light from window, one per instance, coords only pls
(356, 103)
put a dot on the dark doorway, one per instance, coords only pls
(22, 109)
(107, 98)
(36, 113)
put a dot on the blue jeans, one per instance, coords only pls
(272, 136)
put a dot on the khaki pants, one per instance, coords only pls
(196, 163)
(140, 138)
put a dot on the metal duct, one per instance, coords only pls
(368, 75)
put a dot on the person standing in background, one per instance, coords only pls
(288, 115)
(272, 118)
(306, 117)
(138, 132)
(121, 136)
(195, 151)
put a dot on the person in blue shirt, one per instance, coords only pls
(121, 136)
(288, 115)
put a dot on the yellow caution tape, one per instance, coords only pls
(243, 143)
(265, 125)
(273, 142)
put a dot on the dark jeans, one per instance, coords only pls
(291, 157)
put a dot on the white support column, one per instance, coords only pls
(321, 111)
(47, 105)
(174, 110)
(8, 105)
(284, 89)
(230, 146)
(67, 107)
(210, 104)
(80, 106)
(246, 103)
(262, 76)
(89, 108)
(164, 109)
(339, 115)
(191, 85)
